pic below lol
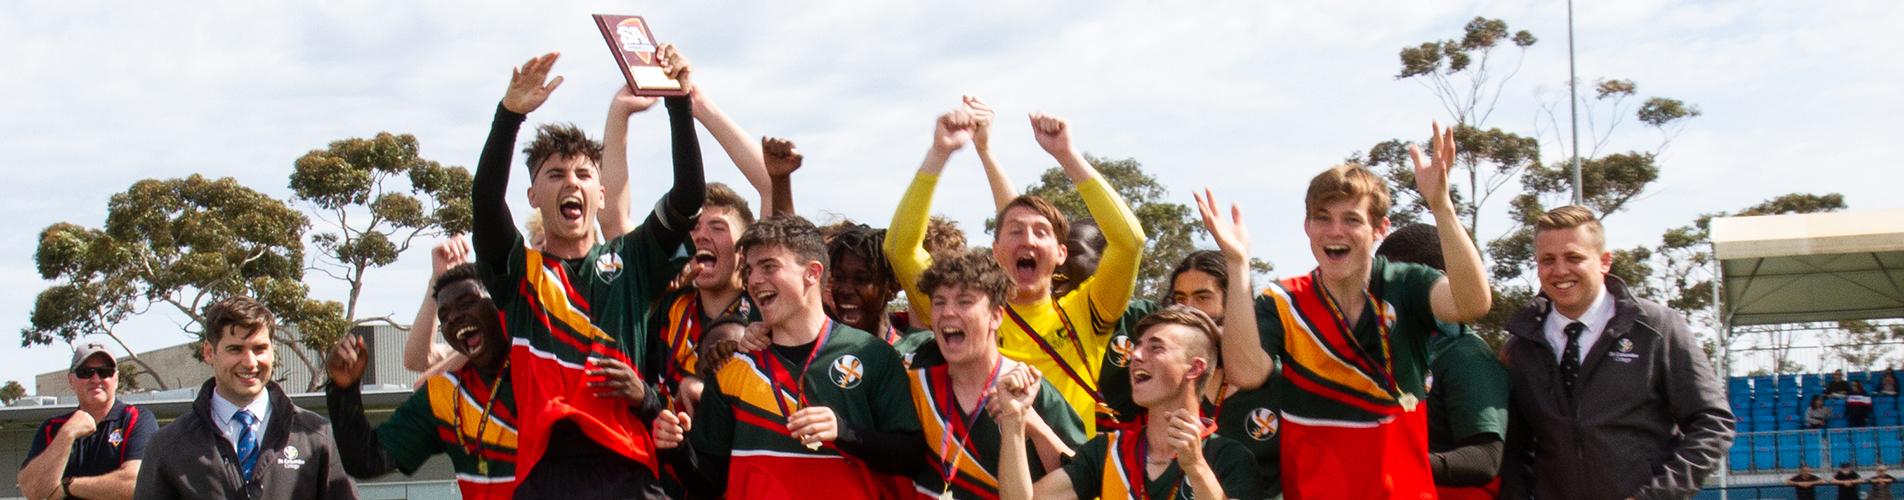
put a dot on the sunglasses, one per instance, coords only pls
(86, 372)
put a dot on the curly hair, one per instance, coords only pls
(1202, 346)
(867, 243)
(560, 140)
(712, 354)
(788, 231)
(975, 270)
(943, 235)
(235, 311)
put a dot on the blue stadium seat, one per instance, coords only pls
(1786, 425)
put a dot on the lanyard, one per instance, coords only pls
(1090, 385)
(1136, 451)
(950, 405)
(476, 449)
(1348, 334)
(781, 380)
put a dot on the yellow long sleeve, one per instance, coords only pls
(905, 242)
(1109, 290)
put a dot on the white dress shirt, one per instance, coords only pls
(1595, 319)
(223, 409)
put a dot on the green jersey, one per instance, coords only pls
(1467, 391)
(1111, 466)
(1374, 371)
(744, 410)
(965, 446)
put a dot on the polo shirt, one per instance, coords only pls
(119, 437)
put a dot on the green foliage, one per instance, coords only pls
(1171, 227)
(129, 378)
(179, 243)
(371, 224)
(1660, 111)
(1607, 183)
(11, 392)
(1480, 35)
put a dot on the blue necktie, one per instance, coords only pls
(247, 440)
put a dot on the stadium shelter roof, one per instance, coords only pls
(1811, 267)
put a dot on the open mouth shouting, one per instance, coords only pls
(572, 207)
(704, 260)
(952, 336)
(849, 313)
(764, 297)
(1335, 252)
(1024, 269)
(471, 338)
(1139, 376)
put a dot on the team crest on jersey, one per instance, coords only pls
(847, 371)
(1262, 424)
(1121, 348)
(116, 437)
(608, 266)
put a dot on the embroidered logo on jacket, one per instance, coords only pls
(115, 438)
(290, 459)
(1623, 351)
(847, 371)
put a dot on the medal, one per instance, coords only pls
(482, 466)
(947, 494)
(1408, 401)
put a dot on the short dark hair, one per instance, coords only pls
(867, 243)
(789, 231)
(719, 195)
(238, 311)
(1060, 225)
(1210, 262)
(1414, 243)
(558, 140)
(973, 269)
(464, 271)
(1178, 314)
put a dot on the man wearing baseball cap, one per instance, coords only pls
(95, 451)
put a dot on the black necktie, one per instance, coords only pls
(1570, 358)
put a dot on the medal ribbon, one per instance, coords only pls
(1089, 386)
(1348, 334)
(949, 406)
(781, 380)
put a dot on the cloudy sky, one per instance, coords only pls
(1250, 97)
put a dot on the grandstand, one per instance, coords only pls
(1771, 434)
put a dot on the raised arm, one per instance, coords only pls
(906, 236)
(1464, 294)
(616, 217)
(782, 160)
(494, 234)
(419, 346)
(1002, 190)
(742, 148)
(1109, 289)
(1245, 362)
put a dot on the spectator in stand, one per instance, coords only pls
(1837, 387)
(1816, 417)
(1880, 485)
(1887, 386)
(1858, 406)
(1847, 480)
(1803, 483)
